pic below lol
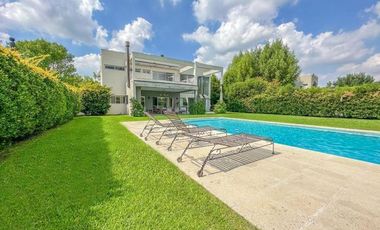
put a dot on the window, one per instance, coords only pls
(142, 99)
(114, 67)
(203, 85)
(137, 70)
(163, 76)
(146, 71)
(118, 99)
(187, 78)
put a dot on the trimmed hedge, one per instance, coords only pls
(95, 98)
(220, 107)
(348, 102)
(31, 99)
(197, 107)
(137, 109)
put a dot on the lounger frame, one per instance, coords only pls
(246, 143)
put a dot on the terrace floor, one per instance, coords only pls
(293, 189)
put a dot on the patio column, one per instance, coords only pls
(221, 87)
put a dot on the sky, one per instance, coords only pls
(329, 37)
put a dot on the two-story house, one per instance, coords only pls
(158, 82)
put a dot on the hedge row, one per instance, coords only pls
(31, 99)
(349, 102)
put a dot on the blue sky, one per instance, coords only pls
(330, 38)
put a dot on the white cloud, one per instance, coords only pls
(374, 9)
(245, 24)
(136, 32)
(87, 64)
(70, 19)
(370, 65)
(4, 37)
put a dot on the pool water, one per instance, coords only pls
(356, 145)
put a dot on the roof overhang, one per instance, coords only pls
(165, 86)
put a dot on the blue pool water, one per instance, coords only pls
(355, 145)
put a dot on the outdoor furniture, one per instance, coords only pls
(240, 143)
(155, 125)
(182, 129)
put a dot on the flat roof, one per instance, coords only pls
(160, 58)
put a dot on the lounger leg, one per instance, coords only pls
(150, 130)
(200, 172)
(141, 134)
(162, 134)
(179, 159)
(170, 146)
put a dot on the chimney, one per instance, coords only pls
(128, 65)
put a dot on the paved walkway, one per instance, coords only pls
(293, 189)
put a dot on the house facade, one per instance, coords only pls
(307, 81)
(159, 83)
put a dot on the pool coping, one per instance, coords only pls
(363, 131)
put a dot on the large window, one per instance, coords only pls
(162, 76)
(187, 78)
(114, 67)
(119, 99)
(203, 85)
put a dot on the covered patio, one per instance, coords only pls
(157, 97)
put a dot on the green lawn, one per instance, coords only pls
(93, 173)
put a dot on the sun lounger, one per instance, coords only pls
(182, 129)
(153, 124)
(237, 142)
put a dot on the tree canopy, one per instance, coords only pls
(55, 56)
(274, 62)
(352, 79)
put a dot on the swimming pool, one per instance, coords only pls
(356, 145)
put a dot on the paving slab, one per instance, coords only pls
(293, 189)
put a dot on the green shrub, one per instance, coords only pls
(137, 109)
(349, 102)
(31, 99)
(95, 98)
(197, 107)
(220, 107)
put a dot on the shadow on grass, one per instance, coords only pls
(53, 181)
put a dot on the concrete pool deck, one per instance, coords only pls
(293, 189)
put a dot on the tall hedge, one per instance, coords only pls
(31, 99)
(349, 102)
(95, 98)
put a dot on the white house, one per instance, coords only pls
(159, 83)
(307, 81)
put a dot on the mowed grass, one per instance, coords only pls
(92, 173)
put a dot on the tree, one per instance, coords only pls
(277, 62)
(56, 58)
(273, 62)
(215, 90)
(353, 79)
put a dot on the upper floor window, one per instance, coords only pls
(114, 67)
(187, 78)
(162, 76)
(137, 70)
(146, 71)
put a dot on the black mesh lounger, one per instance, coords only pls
(152, 124)
(182, 129)
(244, 142)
